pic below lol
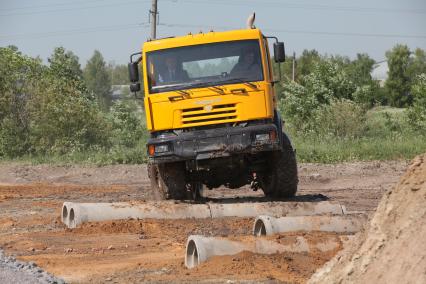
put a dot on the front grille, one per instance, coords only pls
(224, 112)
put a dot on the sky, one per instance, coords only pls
(118, 28)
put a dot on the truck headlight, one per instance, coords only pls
(158, 149)
(262, 137)
(265, 137)
(161, 148)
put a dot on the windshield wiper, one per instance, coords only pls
(179, 85)
(240, 80)
(166, 86)
(233, 80)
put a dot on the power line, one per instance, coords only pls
(305, 6)
(347, 34)
(217, 2)
(76, 8)
(300, 31)
(77, 31)
(50, 5)
(208, 27)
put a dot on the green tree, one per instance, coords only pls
(46, 109)
(64, 65)
(98, 79)
(64, 117)
(398, 83)
(359, 71)
(306, 62)
(417, 112)
(19, 76)
(119, 74)
(342, 61)
(417, 63)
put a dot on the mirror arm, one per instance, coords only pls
(136, 53)
(279, 64)
(279, 71)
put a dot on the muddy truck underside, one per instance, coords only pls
(258, 154)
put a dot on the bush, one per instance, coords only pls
(128, 126)
(416, 114)
(301, 103)
(341, 118)
(385, 122)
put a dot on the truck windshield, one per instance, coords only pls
(204, 65)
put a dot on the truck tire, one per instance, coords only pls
(167, 181)
(280, 181)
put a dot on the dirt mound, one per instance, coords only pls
(392, 248)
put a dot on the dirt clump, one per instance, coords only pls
(288, 267)
(177, 229)
(392, 247)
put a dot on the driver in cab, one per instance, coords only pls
(173, 71)
(248, 65)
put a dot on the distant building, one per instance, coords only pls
(122, 92)
(380, 72)
(119, 92)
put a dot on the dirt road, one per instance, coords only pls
(152, 250)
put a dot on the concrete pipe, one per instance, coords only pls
(200, 248)
(74, 214)
(276, 209)
(267, 225)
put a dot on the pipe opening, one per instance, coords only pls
(191, 254)
(64, 212)
(71, 215)
(259, 228)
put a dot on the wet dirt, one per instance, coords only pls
(134, 251)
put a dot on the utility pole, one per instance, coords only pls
(294, 65)
(153, 15)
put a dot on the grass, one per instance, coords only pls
(334, 150)
(386, 136)
(98, 157)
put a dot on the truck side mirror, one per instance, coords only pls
(135, 87)
(133, 72)
(279, 52)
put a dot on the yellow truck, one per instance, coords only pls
(211, 111)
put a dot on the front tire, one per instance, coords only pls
(167, 181)
(280, 181)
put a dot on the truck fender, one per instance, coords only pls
(284, 137)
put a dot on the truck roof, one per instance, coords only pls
(201, 38)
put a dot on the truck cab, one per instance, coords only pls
(211, 111)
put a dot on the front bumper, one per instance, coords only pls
(213, 143)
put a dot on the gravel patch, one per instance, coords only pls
(20, 272)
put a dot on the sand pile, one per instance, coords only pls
(392, 248)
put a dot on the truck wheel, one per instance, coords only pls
(167, 181)
(194, 193)
(281, 179)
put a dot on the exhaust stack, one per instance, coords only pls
(250, 21)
